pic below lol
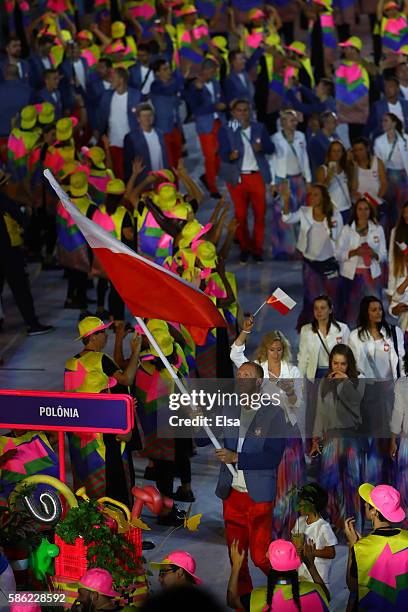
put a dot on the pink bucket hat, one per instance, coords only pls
(385, 499)
(181, 559)
(283, 556)
(98, 580)
(25, 607)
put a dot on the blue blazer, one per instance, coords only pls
(45, 96)
(310, 103)
(136, 146)
(203, 108)
(317, 148)
(260, 455)
(231, 140)
(14, 95)
(66, 87)
(135, 76)
(165, 98)
(374, 127)
(36, 71)
(93, 97)
(105, 104)
(25, 66)
(233, 86)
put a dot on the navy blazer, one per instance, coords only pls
(94, 94)
(25, 67)
(374, 125)
(14, 95)
(203, 107)
(259, 457)
(36, 71)
(134, 98)
(310, 103)
(165, 98)
(230, 139)
(45, 96)
(233, 86)
(317, 148)
(136, 146)
(135, 76)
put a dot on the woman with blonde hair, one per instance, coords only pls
(274, 356)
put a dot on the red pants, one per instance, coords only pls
(3, 149)
(209, 147)
(251, 524)
(118, 162)
(174, 147)
(251, 190)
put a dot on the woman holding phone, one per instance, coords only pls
(336, 174)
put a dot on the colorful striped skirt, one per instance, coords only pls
(291, 476)
(397, 195)
(314, 284)
(351, 292)
(284, 236)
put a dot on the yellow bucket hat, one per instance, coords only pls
(91, 325)
(220, 42)
(192, 230)
(97, 157)
(165, 174)
(118, 29)
(28, 117)
(207, 254)
(297, 47)
(182, 211)
(116, 187)
(353, 41)
(47, 113)
(165, 342)
(156, 326)
(78, 184)
(64, 129)
(85, 35)
(167, 195)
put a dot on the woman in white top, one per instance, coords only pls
(392, 149)
(290, 162)
(336, 174)
(397, 289)
(368, 175)
(360, 251)
(379, 352)
(274, 356)
(320, 226)
(399, 435)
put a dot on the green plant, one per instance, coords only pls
(18, 529)
(107, 550)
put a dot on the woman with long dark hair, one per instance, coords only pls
(392, 149)
(320, 226)
(338, 419)
(360, 250)
(367, 174)
(379, 350)
(283, 582)
(397, 289)
(336, 175)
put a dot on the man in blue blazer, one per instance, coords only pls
(13, 56)
(207, 105)
(14, 95)
(393, 102)
(75, 76)
(141, 73)
(98, 82)
(238, 84)
(255, 449)
(50, 93)
(40, 61)
(243, 146)
(318, 144)
(117, 116)
(146, 143)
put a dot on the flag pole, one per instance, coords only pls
(178, 383)
(260, 308)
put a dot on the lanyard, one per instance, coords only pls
(390, 154)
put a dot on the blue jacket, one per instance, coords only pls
(230, 139)
(36, 71)
(260, 455)
(135, 76)
(25, 67)
(165, 98)
(95, 92)
(105, 104)
(374, 125)
(317, 148)
(45, 96)
(203, 108)
(136, 146)
(233, 86)
(67, 89)
(14, 95)
(310, 103)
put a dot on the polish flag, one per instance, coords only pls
(373, 201)
(281, 301)
(403, 246)
(148, 290)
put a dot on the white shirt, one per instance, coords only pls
(404, 91)
(106, 84)
(155, 152)
(396, 110)
(292, 163)
(46, 63)
(210, 86)
(339, 191)
(249, 163)
(80, 73)
(323, 359)
(118, 119)
(238, 481)
(394, 159)
(242, 78)
(369, 179)
(148, 82)
(322, 535)
(319, 244)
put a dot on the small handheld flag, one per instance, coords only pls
(373, 201)
(403, 246)
(279, 300)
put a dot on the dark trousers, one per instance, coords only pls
(166, 470)
(119, 473)
(41, 232)
(13, 271)
(77, 286)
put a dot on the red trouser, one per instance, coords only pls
(251, 189)
(118, 162)
(209, 146)
(251, 524)
(174, 147)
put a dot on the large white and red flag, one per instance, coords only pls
(148, 289)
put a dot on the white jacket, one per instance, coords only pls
(349, 239)
(282, 148)
(310, 345)
(364, 351)
(304, 216)
(399, 417)
(393, 281)
(382, 149)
